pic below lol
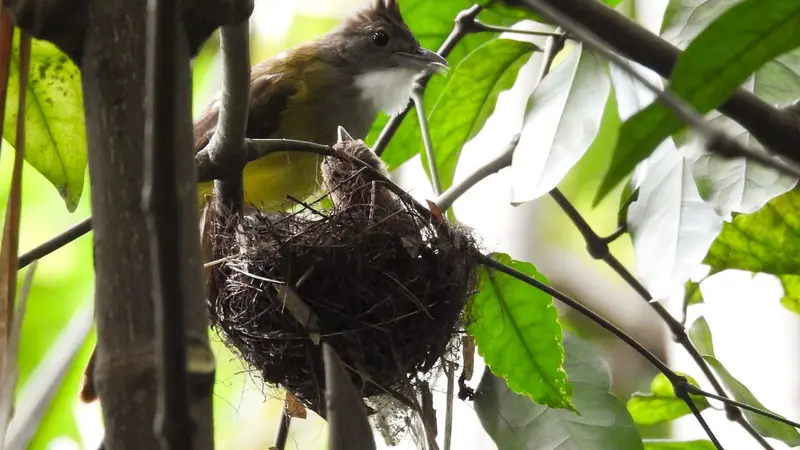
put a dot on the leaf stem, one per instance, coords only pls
(417, 95)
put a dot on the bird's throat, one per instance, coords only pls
(387, 90)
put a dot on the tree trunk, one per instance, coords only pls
(113, 68)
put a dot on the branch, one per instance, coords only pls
(598, 249)
(718, 141)
(694, 390)
(161, 203)
(774, 128)
(55, 243)
(463, 26)
(226, 147)
(65, 22)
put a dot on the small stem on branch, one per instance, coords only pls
(419, 104)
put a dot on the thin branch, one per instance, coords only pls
(463, 23)
(683, 395)
(227, 144)
(55, 243)
(598, 249)
(503, 160)
(282, 436)
(774, 128)
(417, 95)
(478, 26)
(718, 141)
(694, 390)
(450, 371)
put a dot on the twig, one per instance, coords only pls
(9, 247)
(694, 390)
(226, 146)
(285, 421)
(774, 128)
(503, 160)
(450, 371)
(598, 249)
(683, 395)
(718, 141)
(55, 243)
(161, 205)
(477, 26)
(676, 380)
(417, 95)
(463, 24)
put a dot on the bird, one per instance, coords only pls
(344, 78)
(347, 77)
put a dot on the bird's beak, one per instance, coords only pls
(426, 60)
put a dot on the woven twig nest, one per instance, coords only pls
(381, 282)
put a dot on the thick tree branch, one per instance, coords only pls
(774, 128)
(65, 22)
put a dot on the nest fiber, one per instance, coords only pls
(382, 283)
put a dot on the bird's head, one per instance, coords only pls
(382, 54)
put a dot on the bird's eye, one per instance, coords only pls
(380, 38)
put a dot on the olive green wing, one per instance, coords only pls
(270, 93)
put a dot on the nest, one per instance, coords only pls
(381, 282)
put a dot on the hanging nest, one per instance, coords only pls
(382, 282)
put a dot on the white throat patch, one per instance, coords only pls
(388, 90)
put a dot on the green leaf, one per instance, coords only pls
(55, 137)
(764, 425)
(564, 119)
(469, 99)
(791, 292)
(518, 335)
(678, 445)
(765, 241)
(692, 294)
(752, 33)
(661, 405)
(700, 334)
(515, 422)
